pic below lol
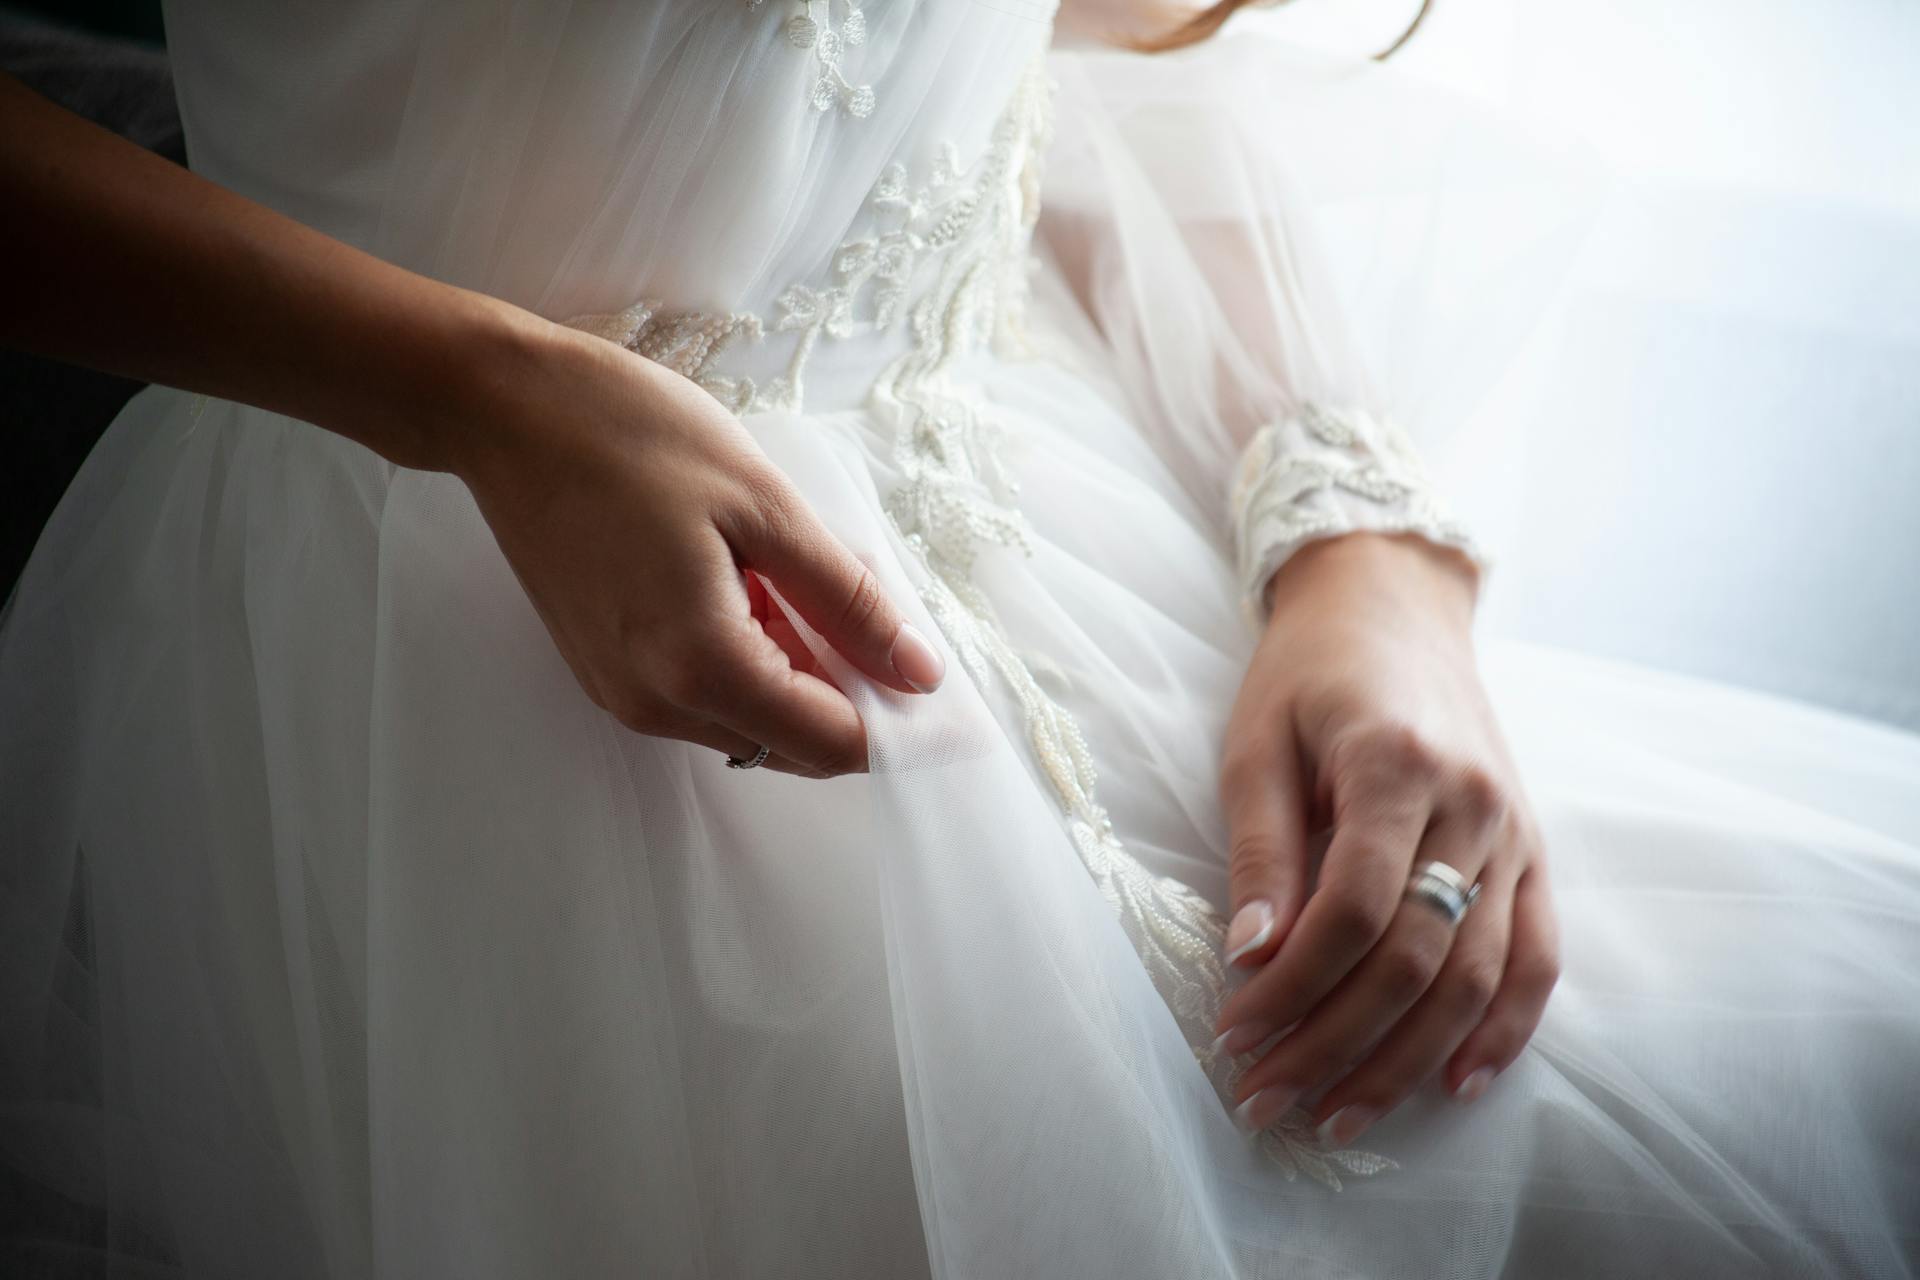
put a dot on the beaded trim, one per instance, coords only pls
(1298, 479)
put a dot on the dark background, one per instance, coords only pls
(103, 59)
(137, 20)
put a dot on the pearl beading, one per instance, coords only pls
(1299, 478)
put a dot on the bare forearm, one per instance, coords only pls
(122, 261)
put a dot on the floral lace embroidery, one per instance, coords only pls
(812, 28)
(1289, 485)
(970, 229)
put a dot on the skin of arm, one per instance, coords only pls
(127, 263)
(641, 517)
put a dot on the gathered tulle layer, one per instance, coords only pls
(345, 936)
(348, 937)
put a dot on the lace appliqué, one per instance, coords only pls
(871, 274)
(968, 232)
(956, 499)
(1299, 479)
(812, 28)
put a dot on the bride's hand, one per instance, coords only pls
(626, 499)
(1364, 710)
(629, 503)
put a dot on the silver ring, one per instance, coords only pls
(1442, 871)
(759, 758)
(1444, 889)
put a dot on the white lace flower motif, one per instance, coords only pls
(812, 27)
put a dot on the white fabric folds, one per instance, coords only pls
(344, 936)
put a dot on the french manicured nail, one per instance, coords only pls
(918, 662)
(1251, 929)
(1346, 1124)
(1244, 1038)
(1263, 1108)
(1474, 1085)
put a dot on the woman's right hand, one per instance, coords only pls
(637, 512)
(627, 500)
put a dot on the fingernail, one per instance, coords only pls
(918, 662)
(1244, 1038)
(1263, 1108)
(1252, 927)
(1346, 1124)
(1474, 1085)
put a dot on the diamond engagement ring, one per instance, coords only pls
(1445, 890)
(759, 758)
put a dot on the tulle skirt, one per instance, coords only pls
(345, 936)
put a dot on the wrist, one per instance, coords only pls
(414, 369)
(1384, 572)
(459, 386)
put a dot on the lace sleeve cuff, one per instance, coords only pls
(1322, 472)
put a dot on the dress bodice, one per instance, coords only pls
(785, 166)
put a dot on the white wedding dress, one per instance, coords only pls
(344, 936)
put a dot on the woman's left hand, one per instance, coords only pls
(1363, 709)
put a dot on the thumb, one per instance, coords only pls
(1263, 796)
(841, 598)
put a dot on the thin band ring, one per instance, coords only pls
(1454, 880)
(1444, 889)
(759, 758)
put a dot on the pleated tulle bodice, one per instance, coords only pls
(762, 175)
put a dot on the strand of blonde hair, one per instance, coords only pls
(1207, 21)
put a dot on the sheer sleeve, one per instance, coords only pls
(1187, 202)
(1323, 470)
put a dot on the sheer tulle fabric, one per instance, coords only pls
(346, 937)
(1251, 226)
